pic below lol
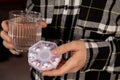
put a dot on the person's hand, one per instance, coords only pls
(7, 41)
(74, 63)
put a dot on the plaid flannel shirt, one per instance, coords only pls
(97, 22)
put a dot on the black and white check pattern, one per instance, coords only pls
(97, 22)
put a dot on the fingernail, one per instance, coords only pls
(54, 51)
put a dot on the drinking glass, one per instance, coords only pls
(24, 29)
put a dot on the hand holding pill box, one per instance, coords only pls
(41, 58)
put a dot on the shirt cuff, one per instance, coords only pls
(88, 57)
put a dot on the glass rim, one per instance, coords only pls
(19, 12)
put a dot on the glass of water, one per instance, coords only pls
(24, 29)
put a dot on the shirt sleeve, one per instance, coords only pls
(103, 55)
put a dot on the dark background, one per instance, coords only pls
(12, 67)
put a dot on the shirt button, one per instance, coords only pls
(66, 7)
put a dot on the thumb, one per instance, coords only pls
(65, 48)
(44, 24)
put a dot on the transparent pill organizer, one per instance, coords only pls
(41, 58)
